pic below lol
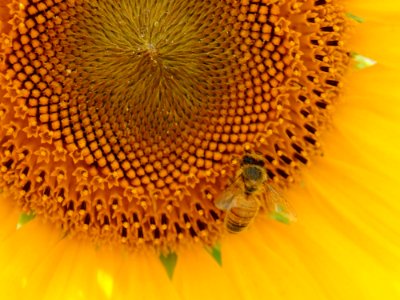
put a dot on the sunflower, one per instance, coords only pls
(123, 121)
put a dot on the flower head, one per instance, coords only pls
(122, 121)
(73, 77)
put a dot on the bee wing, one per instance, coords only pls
(278, 207)
(227, 198)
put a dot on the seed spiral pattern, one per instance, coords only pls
(121, 121)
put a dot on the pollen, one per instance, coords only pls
(122, 121)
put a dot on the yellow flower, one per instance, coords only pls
(344, 245)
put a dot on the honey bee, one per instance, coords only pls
(243, 198)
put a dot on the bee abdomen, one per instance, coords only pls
(238, 219)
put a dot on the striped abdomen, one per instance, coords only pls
(240, 216)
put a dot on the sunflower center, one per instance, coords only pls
(121, 121)
(163, 62)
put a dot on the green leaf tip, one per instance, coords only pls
(25, 218)
(169, 262)
(215, 252)
(280, 218)
(282, 215)
(355, 18)
(362, 62)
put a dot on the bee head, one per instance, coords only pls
(252, 160)
(253, 178)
